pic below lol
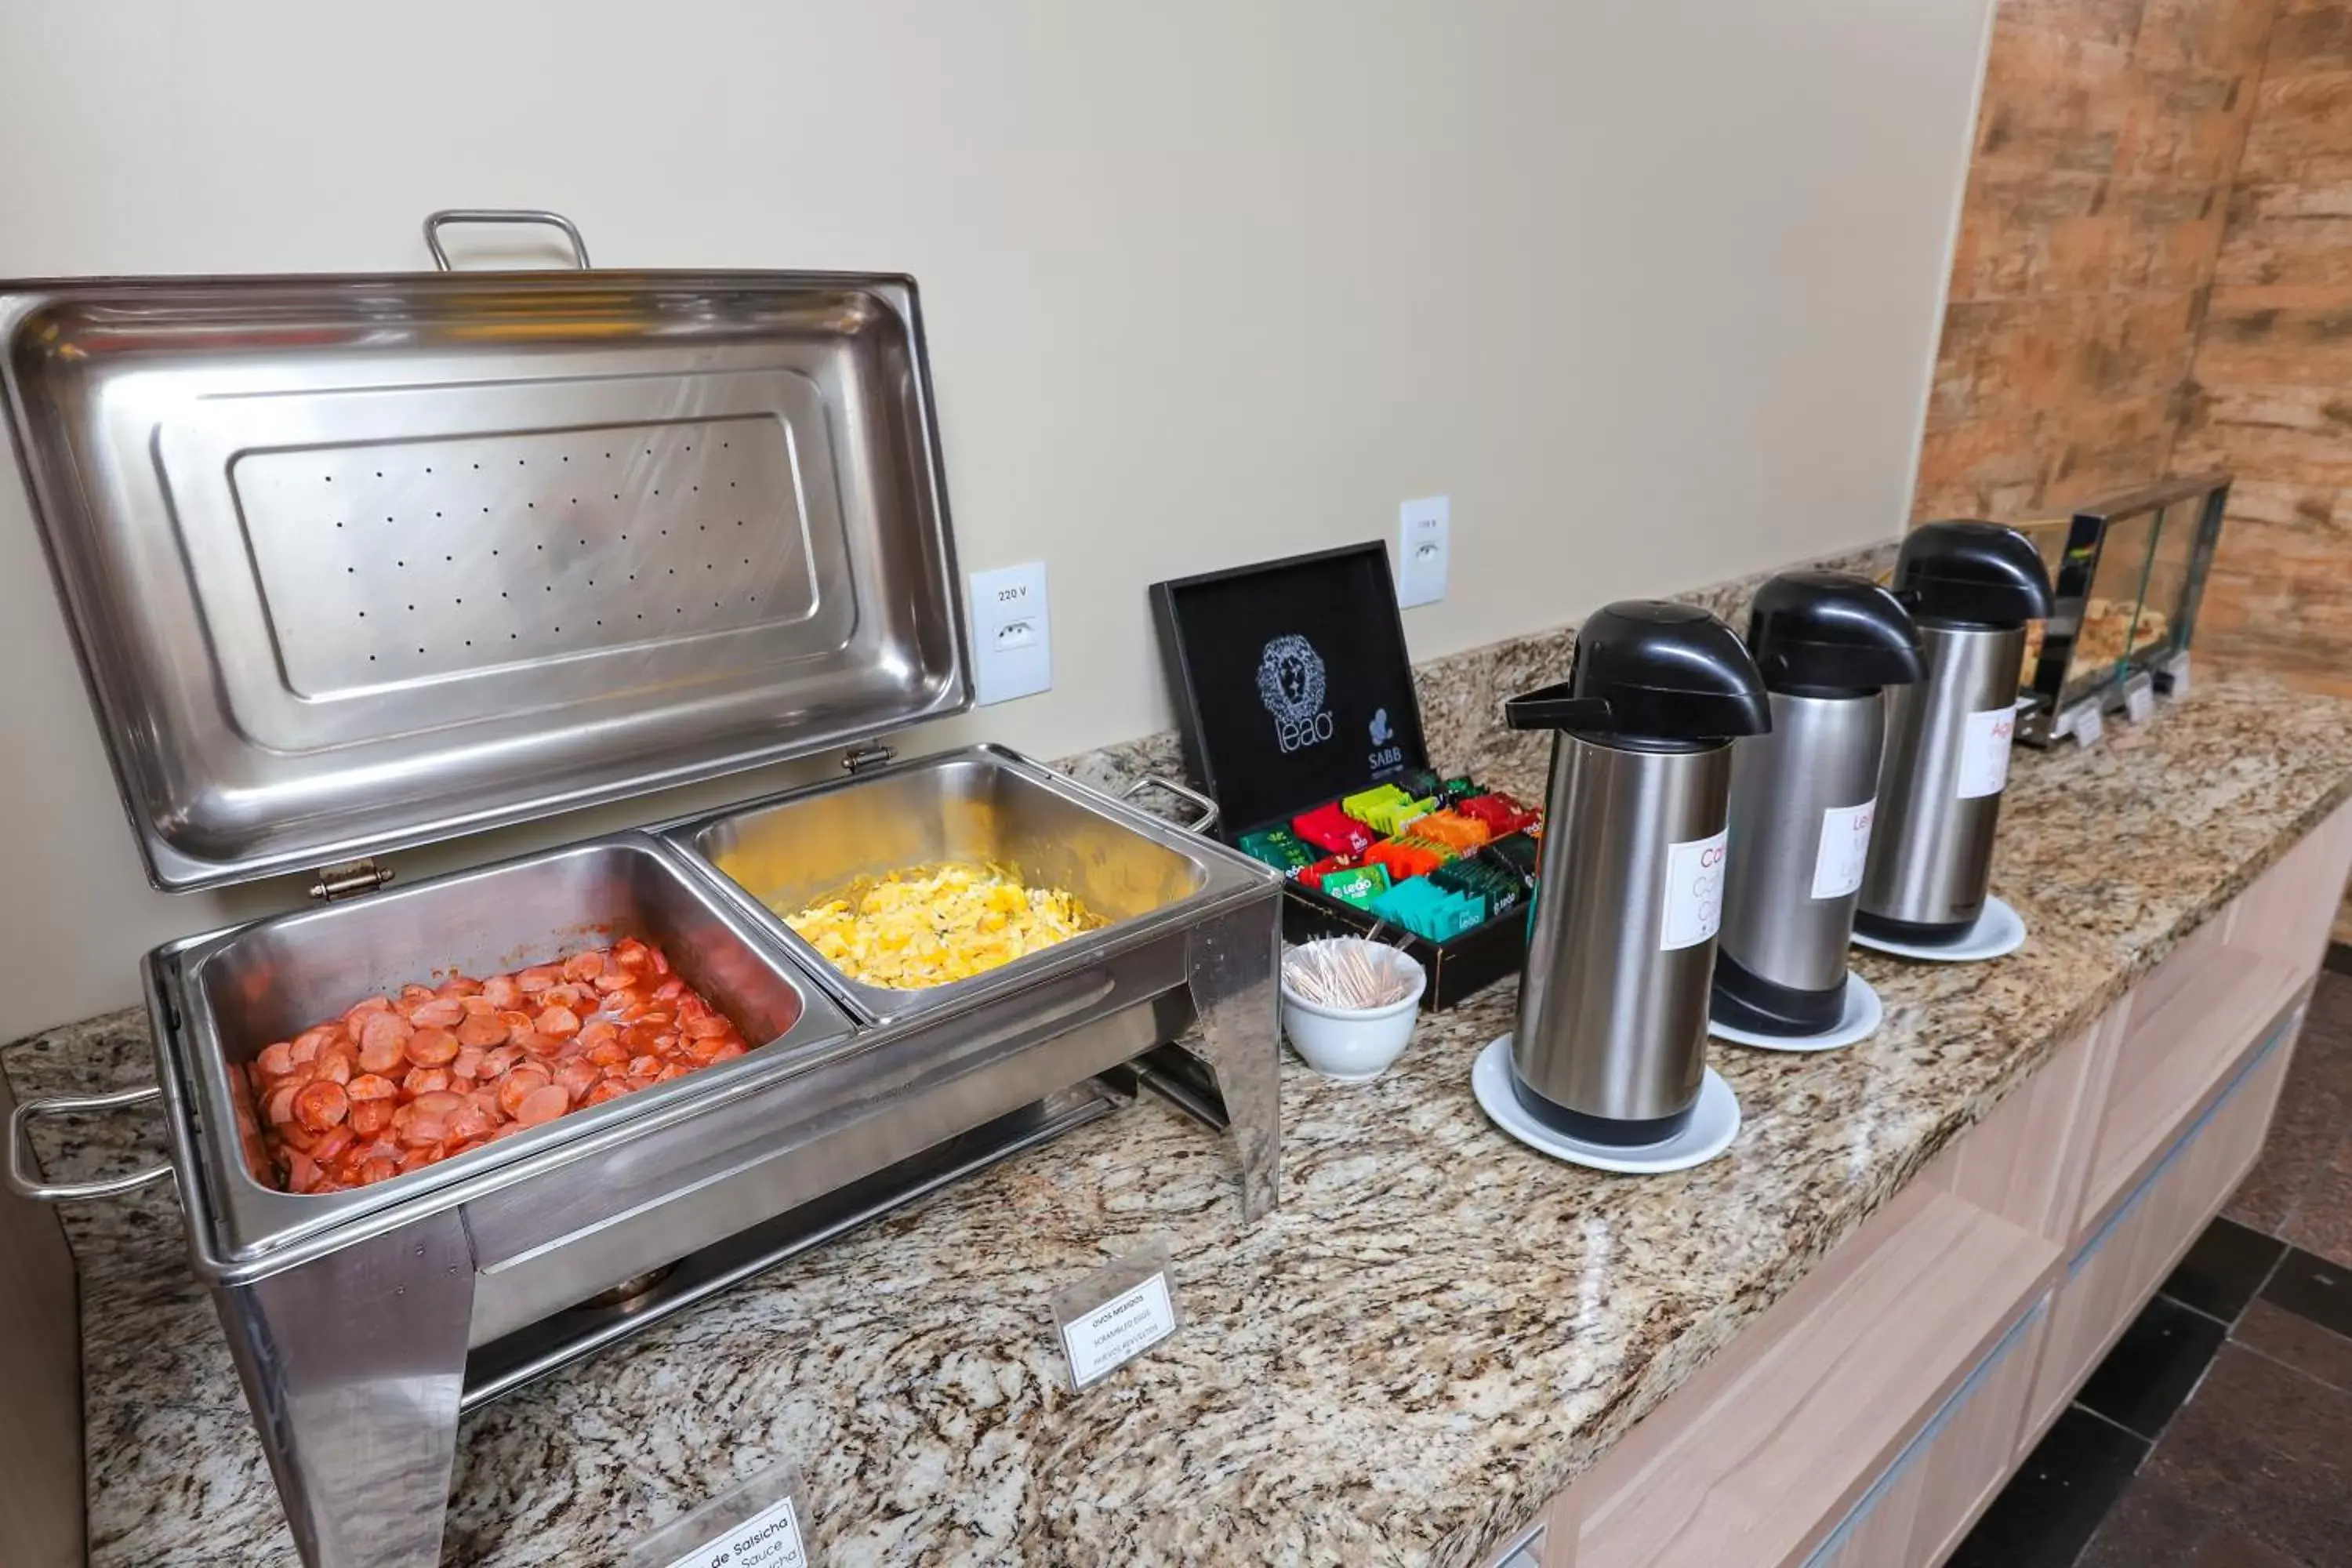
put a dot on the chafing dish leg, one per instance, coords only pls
(354, 1364)
(1234, 961)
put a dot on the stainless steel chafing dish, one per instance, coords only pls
(355, 562)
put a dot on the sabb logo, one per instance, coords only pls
(1384, 755)
(1290, 683)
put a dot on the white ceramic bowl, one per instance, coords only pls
(1353, 1044)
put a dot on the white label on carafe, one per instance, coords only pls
(1984, 752)
(1694, 892)
(1845, 846)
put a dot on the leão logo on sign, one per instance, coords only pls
(1292, 684)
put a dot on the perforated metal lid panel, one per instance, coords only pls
(360, 561)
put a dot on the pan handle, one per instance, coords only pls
(26, 1184)
(1209, 809)
(434, 225)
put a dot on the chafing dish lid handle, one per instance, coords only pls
(435, 222)
(24, 1184)
(1209, 809)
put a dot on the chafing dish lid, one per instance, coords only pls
(360, 561)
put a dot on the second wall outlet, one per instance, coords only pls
(1424, 530)
(1012, 634)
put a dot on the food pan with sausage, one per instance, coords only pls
(383, 1042)
(398, 1083)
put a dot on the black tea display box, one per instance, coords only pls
(1295, 698)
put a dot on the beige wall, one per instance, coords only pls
(1650, 290)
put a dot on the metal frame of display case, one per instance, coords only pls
(2160, 669)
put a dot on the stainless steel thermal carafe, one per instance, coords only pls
(1961, 719)
(1611, 1041)
(1971, 586)
(1828, 645)
(1628, 1049)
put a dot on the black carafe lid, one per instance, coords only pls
(1648, 671)
(1832, 633)
(1973, 574)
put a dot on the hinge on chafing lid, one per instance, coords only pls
(348, 878)
(866, 758)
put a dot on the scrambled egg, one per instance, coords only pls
(936, 924)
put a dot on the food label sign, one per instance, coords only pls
(770, 1539)
(1119, 1331)
(1115, 1314)
(755, 1523)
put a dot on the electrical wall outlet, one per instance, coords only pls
(1012, 634)
(1424, 528)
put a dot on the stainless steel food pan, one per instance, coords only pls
(985, 803)
(240, 990)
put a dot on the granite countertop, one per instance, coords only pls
(1434, 1332)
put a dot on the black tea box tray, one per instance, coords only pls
(1292, 688)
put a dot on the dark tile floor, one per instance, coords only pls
(2301, 1188)
(2218, 1433)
